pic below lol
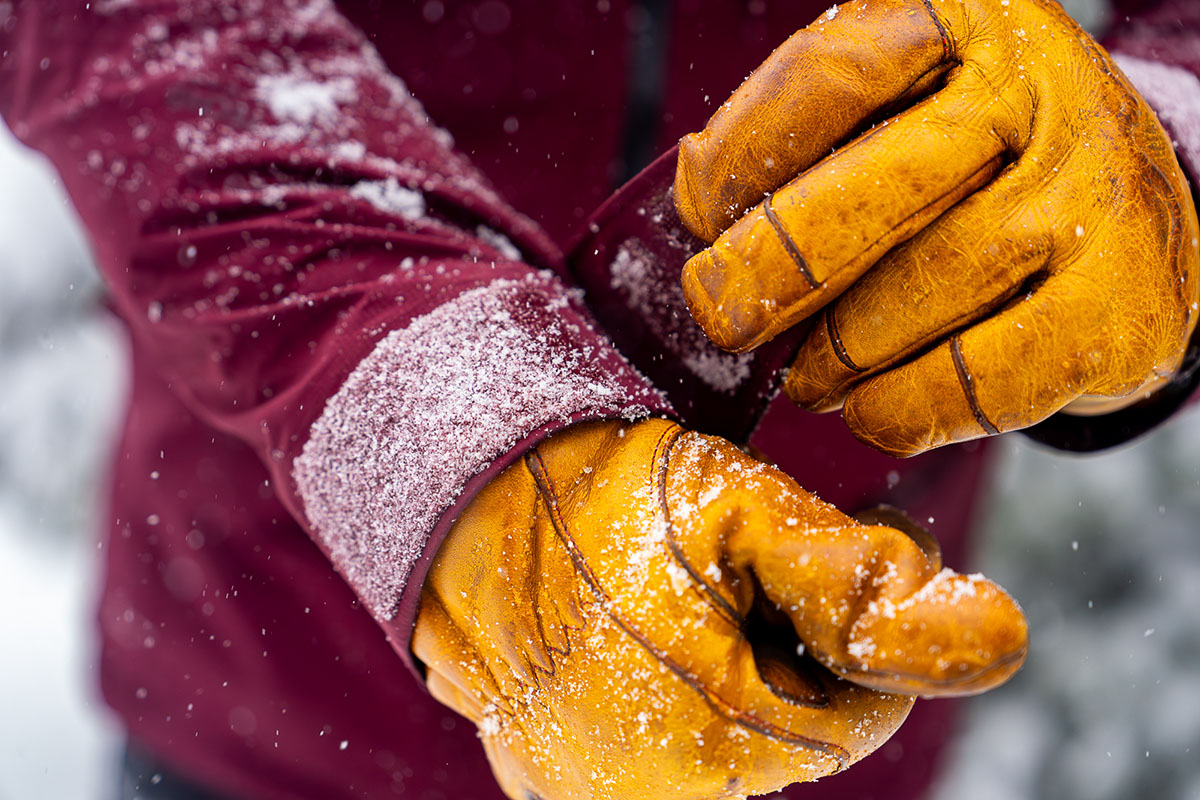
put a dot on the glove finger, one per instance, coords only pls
(969, 262)
(1005, 373)
(820, 86)
(834, 579)
(872, 605)
(807, 242)
(892, 517)
(724, 639)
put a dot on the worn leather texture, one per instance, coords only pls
(977, 215)
(638, 611)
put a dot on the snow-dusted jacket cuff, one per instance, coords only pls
(630, 261)
(435, 411)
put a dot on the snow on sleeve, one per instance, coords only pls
(390, 197)
(297, 98)
(249, 86)
(498, 240)
(437, 402)
(638, 273)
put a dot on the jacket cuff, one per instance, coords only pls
(630, 262)
(1174, 94)
(434, 412)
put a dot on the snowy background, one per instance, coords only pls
(62, 373)
(1103, 552)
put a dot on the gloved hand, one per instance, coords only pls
(991, 219)
(620, 614)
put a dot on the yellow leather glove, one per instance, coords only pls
(620, 614)
(989, 216)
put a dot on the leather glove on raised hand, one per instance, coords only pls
(618, 613)
(1011, 234)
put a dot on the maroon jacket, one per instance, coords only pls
(345, 319)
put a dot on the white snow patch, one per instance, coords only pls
(499, 241)
(350, 150)
(301, 99)
(390, 197)
(490, 724)
(861, 650)
(658, 299)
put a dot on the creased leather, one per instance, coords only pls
(619, 613)
(983, 220)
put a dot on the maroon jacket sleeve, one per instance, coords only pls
(309, 263)
(632, 256)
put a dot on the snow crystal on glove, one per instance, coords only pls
(437, 402)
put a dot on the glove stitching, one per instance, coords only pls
(835, 339)
(717, 602)
(968, 386)
(1175, 214)
(947, 45)
(972, 182)
(788, 244)
(968, 318)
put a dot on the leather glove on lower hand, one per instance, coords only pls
(1011, 234)
(620, 614)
